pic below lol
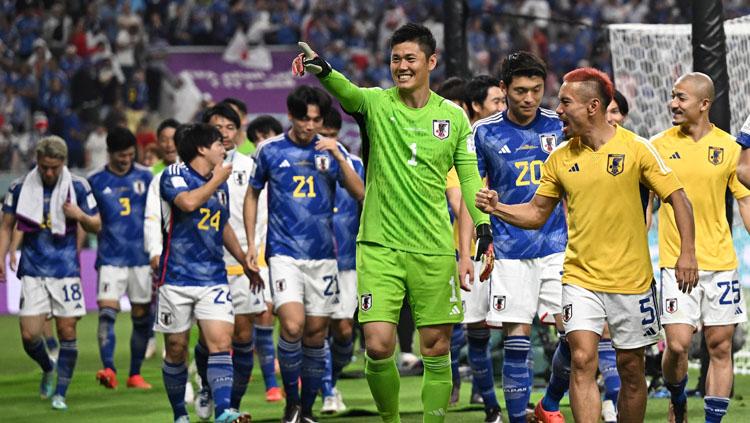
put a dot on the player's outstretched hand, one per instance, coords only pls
(309, 61)
(222, 171)
(686, 272)
(486, 200)
(466, 272)
(330, 145)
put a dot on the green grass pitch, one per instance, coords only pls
(89, 402)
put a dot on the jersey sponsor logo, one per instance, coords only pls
(280, 285)
(671, 305)
(139, 187)
(715, 155)
(322, 162)
(567, 312)
(498, 302)
(441, 129)
(548, 142)
(165, 318)
(455, 311)
(365, 302)
(240, 177)
(222, 197)
(615, 164)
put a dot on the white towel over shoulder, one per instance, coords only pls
(31, 199)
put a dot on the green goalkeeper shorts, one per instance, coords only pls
(430, 282)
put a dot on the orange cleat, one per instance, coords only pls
(107, 377)
(274, 394)
(545, 416)
(137, 381)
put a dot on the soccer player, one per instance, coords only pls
(618, 109)
(511, 149)
(607, 274)
(244, 145)
(345, 228)
(302, 171)
(705, 159)
(405, 244)
(743, 139)
(47, 204)
(193, 278)
(122, 264)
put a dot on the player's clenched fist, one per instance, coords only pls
(486, 200)
(309, 61)
(222, 171)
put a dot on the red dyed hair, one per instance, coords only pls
(604, 85)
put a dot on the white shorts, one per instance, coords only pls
(266, 285)
(313, 283)
(476, 303)
(633, 318)
(60, 297)
(522, 289)
(347, 295)
(178, 305)
(115, 281)
(715, 301)
(244, 300)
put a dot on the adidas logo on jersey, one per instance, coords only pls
(574, 168)
(285, 163)
(649, 332)
(107, 190)
(439, 412)
(504, 150)
(675, 155)
(455, 311)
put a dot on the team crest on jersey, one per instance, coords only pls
(166, 318)
(548, 142)
(365, 302)
(280, 285)
(441, 129)
(222, 197)
(671, 305)
(615, 164)
(567, 312)
(715, 155)
(240, 177)
(498, 302)
(139, 187)
(322, 162)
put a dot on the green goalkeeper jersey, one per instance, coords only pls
(411, 152)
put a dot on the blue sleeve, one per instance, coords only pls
(744, 140)
(85, 198)
(339, 171)
(260, 170)
(172, 185)
(11, 199)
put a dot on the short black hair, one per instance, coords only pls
(236, 102)
(477, 89)
(224, 110)
(263, 124)
(304, 95)
(119, 139)
(191, 136)
(522, 63)
(167, 123)
(332, 119)
(622, 103)
(452, 89)
(420, 34)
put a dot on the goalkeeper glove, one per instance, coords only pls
(309, 61)
(485, 251)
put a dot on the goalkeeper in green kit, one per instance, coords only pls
(405, 242)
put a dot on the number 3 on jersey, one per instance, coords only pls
(125, 203)
(531, 172)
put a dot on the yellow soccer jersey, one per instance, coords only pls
(607, 242)
(451, 180)
(706, 168)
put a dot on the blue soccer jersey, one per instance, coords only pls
(744, 137)
(301, 191)
(122, 204)
(193, 253)
(511, 156)
(346, 221)
(44, 254)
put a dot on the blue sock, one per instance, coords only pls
(677, 391)
(175, 378)
(220, 379)
(242, 363)
(106, 335)
(201, 363)
(458, 340)
(481, 366)
(530, 366)
(35, 350)
(266, 354)
(66, 363)
(51, 343)
(516, 382)
(138, 342)
(608, 368)
(341, 355)
(327, 380)
(290, 362)
(559, 382)
(313, 369)
(715, 408)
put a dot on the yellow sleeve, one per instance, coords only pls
(655, 173)
(550, 185)
(451, 181)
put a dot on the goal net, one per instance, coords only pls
(647, 59)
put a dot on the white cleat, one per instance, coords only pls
(189, 393)
(330, 406)
(341, 407)
(609, 413)
(204, 404)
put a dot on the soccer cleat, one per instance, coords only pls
(150, 348)
(137, 381)
(58, 403)
(204, 404)
(339, 401)
(182, 419)
(308, 419)
(544, 416)
(609, 414)
(455, 395)
(54, 353)
(274, 394)
(47, 385)
(678, 414)
(476, 398)
(292, 414)
(189, 393)
(107, 378)
(329, 405)
(493, 415)
(231, 415)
